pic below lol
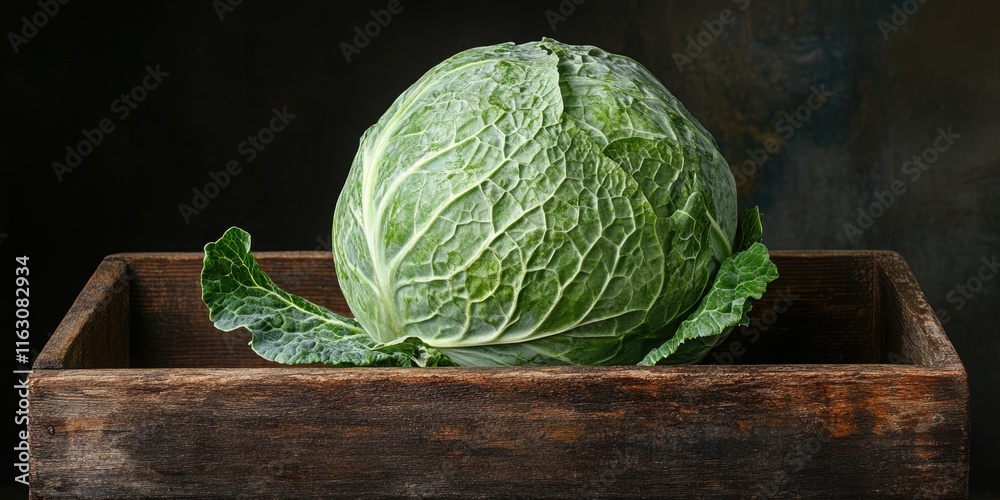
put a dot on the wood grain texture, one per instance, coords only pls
(850, 390)
(821, 309)
(824, 430)
(912, 332)
(95, 331)
(166, 293)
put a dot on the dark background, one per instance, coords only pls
(892, 90)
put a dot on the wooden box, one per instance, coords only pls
(844, 385)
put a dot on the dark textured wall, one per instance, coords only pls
(819, 106)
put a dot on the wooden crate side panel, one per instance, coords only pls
(95, 331)
(821, 309)
(828, 431)
(912, 332)
(170, 325)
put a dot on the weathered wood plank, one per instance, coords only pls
(95, 331)
(823, 430)
(170, 325)
(820, 310)
(911, 331)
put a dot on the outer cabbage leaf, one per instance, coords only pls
(749, 230)
(285, 328)
(742, 276)
(692, 350)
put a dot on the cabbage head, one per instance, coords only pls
(531, 204)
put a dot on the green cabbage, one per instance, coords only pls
(519, 204)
